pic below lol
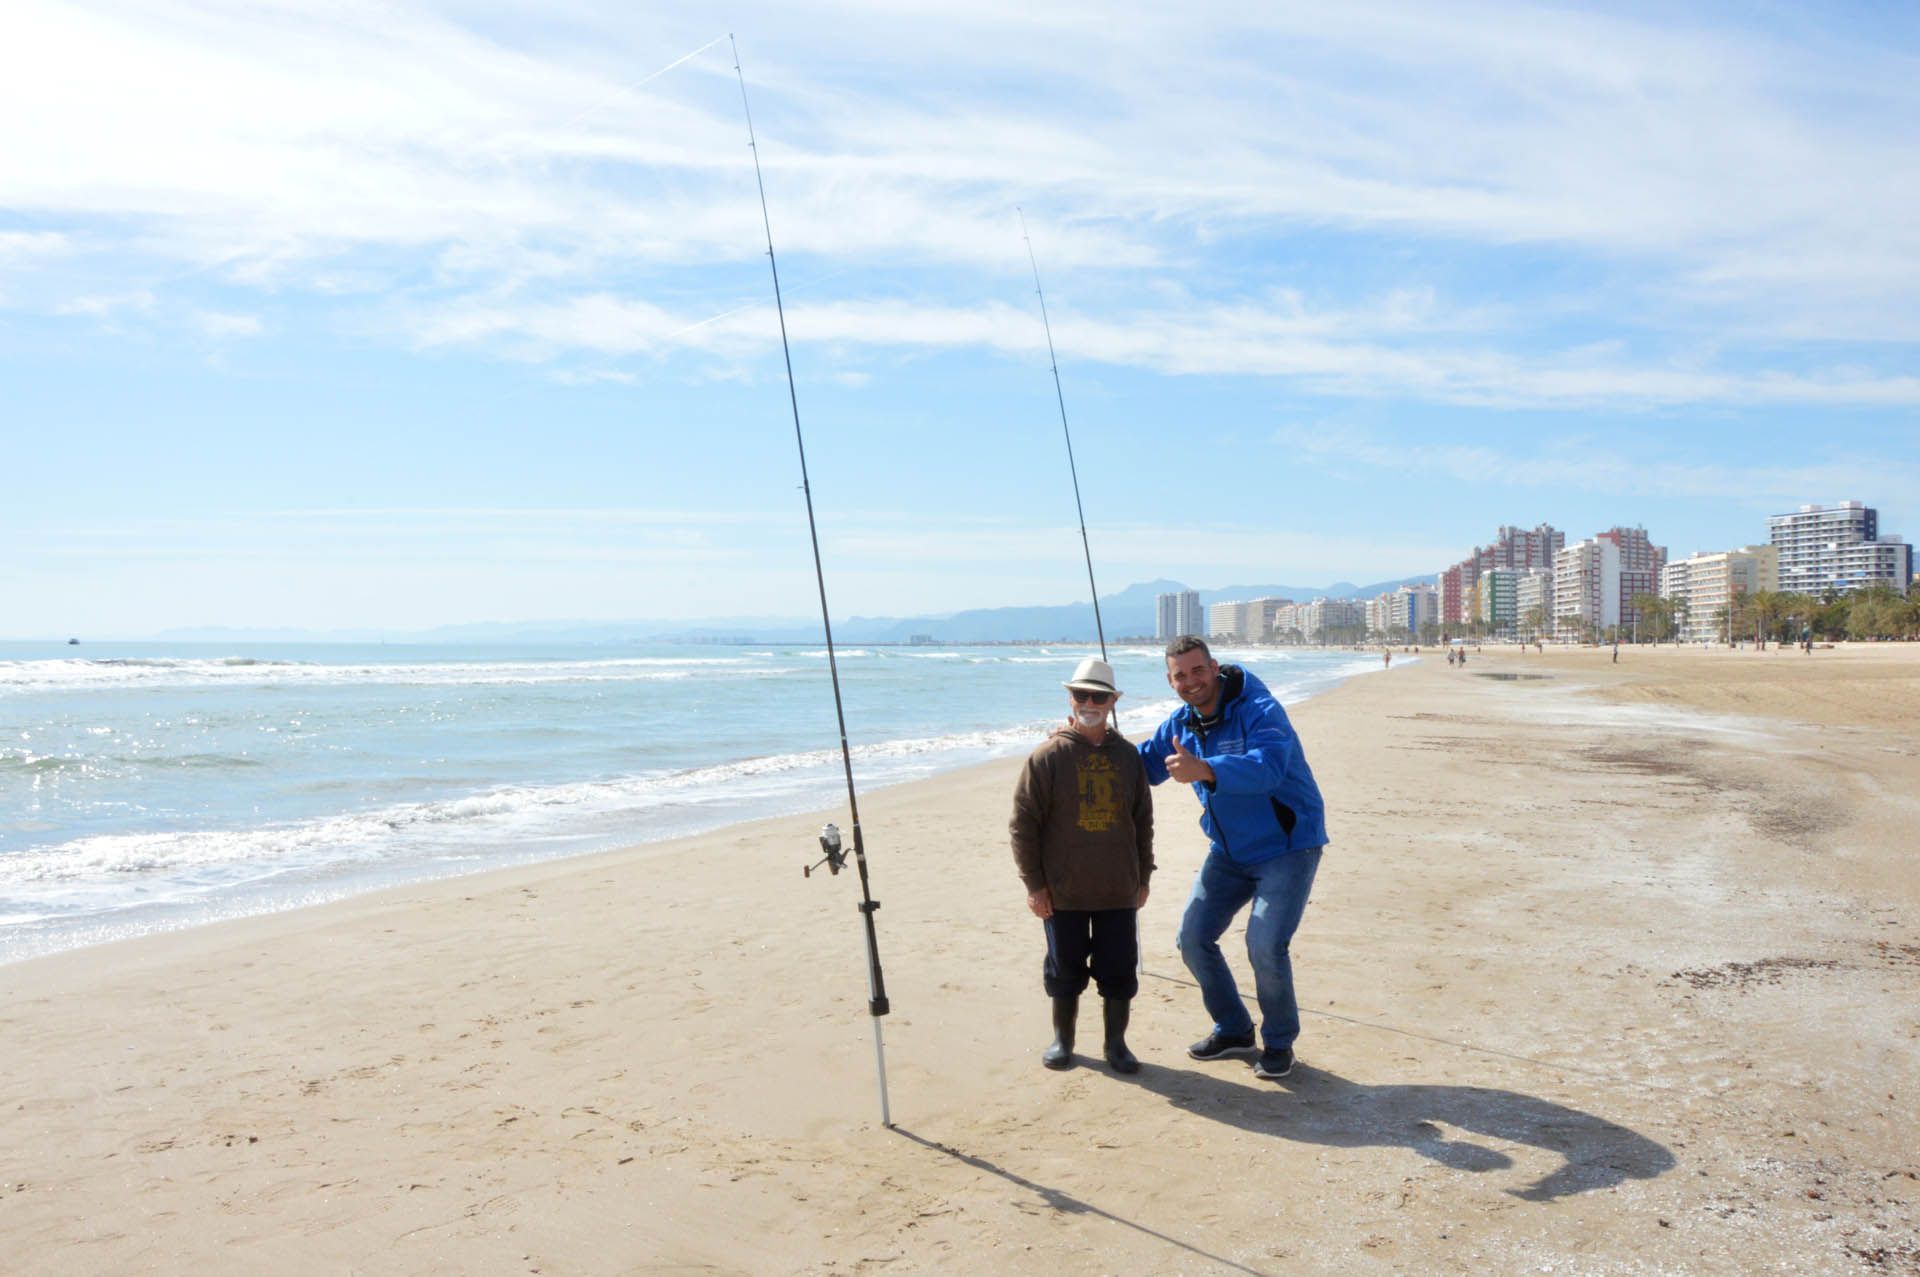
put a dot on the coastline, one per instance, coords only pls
(163, 792)
(1587, 981)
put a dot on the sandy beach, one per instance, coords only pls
(1609, 968)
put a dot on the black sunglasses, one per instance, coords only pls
(1082, 695)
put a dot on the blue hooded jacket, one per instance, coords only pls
(1263, 801)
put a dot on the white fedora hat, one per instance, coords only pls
(1093, 675)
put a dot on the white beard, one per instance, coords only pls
(1090, 716)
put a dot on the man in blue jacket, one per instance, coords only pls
(1262, 812)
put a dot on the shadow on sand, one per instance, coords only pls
(1067, 1203)
(1313, 1106)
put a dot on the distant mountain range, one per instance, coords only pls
(1131, 613)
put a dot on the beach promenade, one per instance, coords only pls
(1610, 968)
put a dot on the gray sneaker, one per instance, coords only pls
(1217, 1044)
(1274, 1064)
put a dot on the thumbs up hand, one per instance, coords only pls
(1185, 767)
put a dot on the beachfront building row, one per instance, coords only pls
(1401, 613)
(1837, 548)
(1249, 620)
(1514, 549)
(1706, 588)
(1321, 621)
(1176, 614)
(1531, 583)
(1270, 620)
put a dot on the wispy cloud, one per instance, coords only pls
(1721, 170)
(224, 326)
(20, 247)
(1400, 346)
(105, 305)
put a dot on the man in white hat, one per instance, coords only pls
(1082, 831)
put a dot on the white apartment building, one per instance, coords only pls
(1586, 589)
(1177, 614)
(1228, 620)
(1379, 610)
(1315, 619)
(1260, 616)
(1707, 585)
(1533, 594)
(1837, 547)
(1407, 608)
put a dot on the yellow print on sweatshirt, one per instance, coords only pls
(1099, 794)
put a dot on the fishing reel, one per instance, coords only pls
(836, 858)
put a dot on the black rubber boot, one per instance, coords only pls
(1118, 1012)
(1065, 1011)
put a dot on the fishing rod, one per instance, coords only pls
(1060, 396)
(835, 858)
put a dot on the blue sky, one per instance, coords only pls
(383, 314)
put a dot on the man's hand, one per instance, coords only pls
(1041, 902)
(1186, 768)
(1140, 901)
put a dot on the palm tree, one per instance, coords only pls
(1762, 607)
(1536, 619)
(1656, 615)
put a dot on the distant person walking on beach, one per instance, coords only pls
(1263, 814)
(1082, 831)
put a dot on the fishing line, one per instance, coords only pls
(1060, 396)
(835, 858)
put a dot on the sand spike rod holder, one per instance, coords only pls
(830, 843)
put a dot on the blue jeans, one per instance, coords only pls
(1278, 889)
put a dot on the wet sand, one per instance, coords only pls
(1611, 970)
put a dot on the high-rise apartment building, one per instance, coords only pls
(1708, 586)
(1640, 564)
(1316, 619)
(1450, 588)
(1586, 588)
(1517, 549)
(1533, 602)
(1177, 614)
(1496, 600)
(1839, 548)
(1409, 608)
(1229, 620)
(1260, 614)
(1525, 550)
(1379, 610)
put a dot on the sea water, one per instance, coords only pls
(147, 788)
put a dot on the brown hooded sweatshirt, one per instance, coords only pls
(1082, 822)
